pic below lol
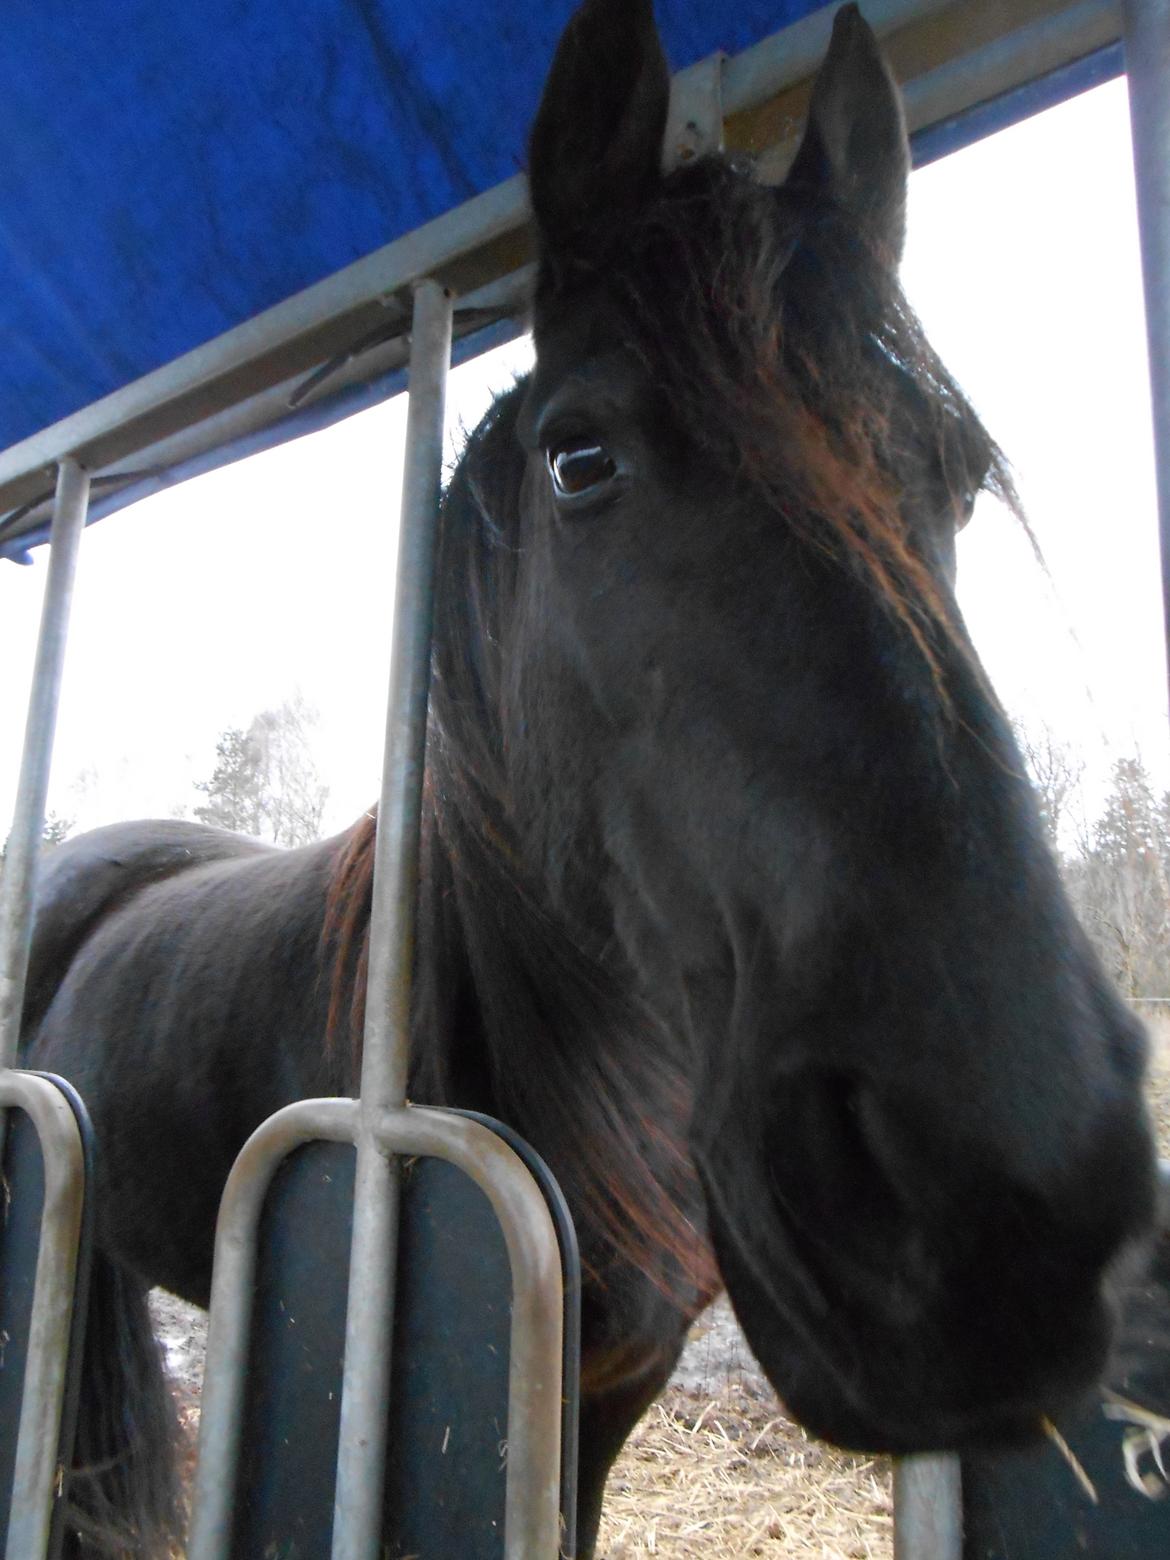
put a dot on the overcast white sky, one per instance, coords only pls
(208, 603)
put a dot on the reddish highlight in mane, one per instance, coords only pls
(721, 287)
(345, 945)
(638, 1218)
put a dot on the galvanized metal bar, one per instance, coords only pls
(694, 124)
(1147, 65)
(232, 1287)
(476, 243)
(1035, 45)
(947, 58)
(18, 884)
(532, 1496)
(510, 296)
(928, 1507)
(35, 1475)
(795, 52)
(386, 1042)
(369, 1329)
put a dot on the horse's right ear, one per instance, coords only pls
(855, 149)
(595, 153)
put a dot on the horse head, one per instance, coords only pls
(751, 747)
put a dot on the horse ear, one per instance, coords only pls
(596, 147)
(855, 148)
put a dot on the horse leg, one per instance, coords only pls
(606, 1422)
(122, 1491)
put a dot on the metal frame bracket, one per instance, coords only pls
(694, 122)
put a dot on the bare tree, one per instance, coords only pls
(1120, 884)
(1056, 773)
(233, 792)
(53, 831)
(294, 795)
(265, 780)
(1116, 869)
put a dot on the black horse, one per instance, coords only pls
(734, 900)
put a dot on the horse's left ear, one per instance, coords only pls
(855, 148)
(595, 152)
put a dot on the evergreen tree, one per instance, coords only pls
(1121, 885)
(1127, 831)
(265, 780)
(54, 831)
(234, 792)
(1056, 773)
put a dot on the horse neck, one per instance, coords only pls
(514, 1015)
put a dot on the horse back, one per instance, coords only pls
(85, 879)
(177, 983)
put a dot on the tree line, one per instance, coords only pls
(265, 781)
(1117, 869)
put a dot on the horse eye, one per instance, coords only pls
(579, 466)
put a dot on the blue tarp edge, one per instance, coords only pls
(940, 140)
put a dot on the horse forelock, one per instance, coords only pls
(783, 345)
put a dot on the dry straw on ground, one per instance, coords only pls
(731, 1476)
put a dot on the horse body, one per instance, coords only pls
(734, 900)
(182, 1028)
(197, 995)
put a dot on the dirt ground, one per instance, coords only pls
(714, 1470)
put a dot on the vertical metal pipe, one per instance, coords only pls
(24, 842)
(928, 1508)
(386, 1042)
(221, 1421)
(385, 1058)
(36, 1469)
(48, 1344)
(535, 1378)
(1147, 64)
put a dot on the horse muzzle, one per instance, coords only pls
(962, 1319)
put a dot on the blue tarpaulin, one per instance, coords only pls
(169, 170)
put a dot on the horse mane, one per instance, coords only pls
(780, 338)
(511, 1017)
(345, 946)
(513, 1011)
